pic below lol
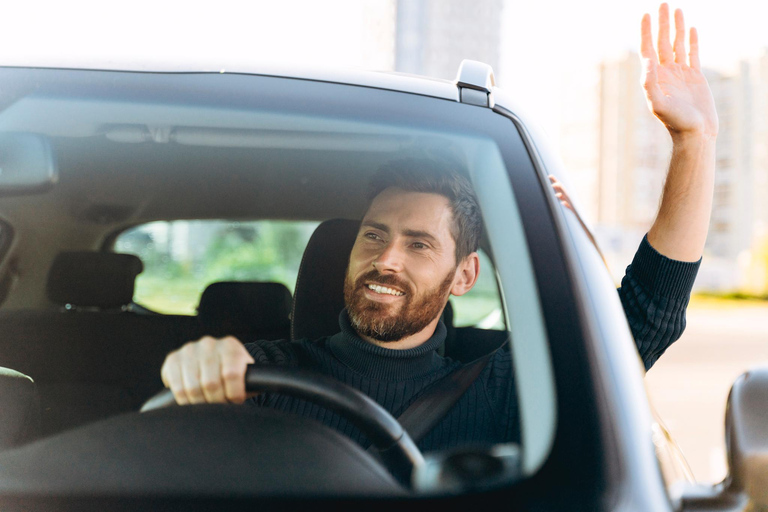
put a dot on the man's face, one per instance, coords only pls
(402, 267)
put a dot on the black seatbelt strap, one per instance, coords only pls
(438, 398)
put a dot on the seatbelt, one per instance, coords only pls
(438, 398)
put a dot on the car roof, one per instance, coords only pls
(390, 80)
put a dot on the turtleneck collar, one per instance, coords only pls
(383, 363)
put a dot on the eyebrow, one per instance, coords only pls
(376, 225)
(413, 233)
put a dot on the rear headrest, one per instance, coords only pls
(93, 279)
(319, 295)
(241, 308)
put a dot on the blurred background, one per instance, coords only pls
(573, 67)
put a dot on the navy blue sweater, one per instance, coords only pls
(654, 293)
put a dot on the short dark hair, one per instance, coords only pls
(417, 174)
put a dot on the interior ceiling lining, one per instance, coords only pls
(170, 181)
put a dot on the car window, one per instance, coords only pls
(481, 307)
(182, 257)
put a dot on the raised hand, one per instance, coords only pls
(678, 94)
(676, 89)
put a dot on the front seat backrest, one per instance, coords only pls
(20, 406)
(319, 294)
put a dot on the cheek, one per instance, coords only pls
(359, 259)
(428, 274)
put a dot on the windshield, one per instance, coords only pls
(203, 198)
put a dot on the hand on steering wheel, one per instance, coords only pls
(394, 445)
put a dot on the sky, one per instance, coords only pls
(566, 38)
(543, 43)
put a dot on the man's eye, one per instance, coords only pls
(419, 245)
(372, 236)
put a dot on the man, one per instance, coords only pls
(417, 246)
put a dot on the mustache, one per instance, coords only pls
(384, 279)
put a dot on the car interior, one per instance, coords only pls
(94, 357)
(80, 348)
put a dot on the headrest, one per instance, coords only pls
(93, 279)
(319, 295)
(240, 308)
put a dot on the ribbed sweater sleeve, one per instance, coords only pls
(655, 292)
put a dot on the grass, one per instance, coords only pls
(727, 300)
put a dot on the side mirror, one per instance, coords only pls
(27, 164)
(746, 436)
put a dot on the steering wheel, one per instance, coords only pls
(393, 444)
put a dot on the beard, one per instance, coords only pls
(383, 322)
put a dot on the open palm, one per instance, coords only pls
(676, 89)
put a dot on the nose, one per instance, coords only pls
(390, 260)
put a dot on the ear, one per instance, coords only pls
(466, 275)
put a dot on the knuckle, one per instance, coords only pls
(236, 398)
(211, 386)
(231, 344)
(179, 396)
(233, 373)
(195, 393)
(188, 349)
(208, 359)
(207, 343)
(171, 359)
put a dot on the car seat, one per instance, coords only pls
(20, 406)
(247, 310)
(90, 356)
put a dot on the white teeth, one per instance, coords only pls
(384, 289)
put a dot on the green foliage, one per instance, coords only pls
(733, 296)
(172, 281)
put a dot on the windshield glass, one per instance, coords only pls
(202, 196)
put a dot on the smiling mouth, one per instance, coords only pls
(384, 290)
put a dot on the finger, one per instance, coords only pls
(693, 56)
(647, 50)
(210, 377)
(171, 374)
(234, 362)
(665, 48)
(651, 83)
(552, 179)
(564, 200)
(190, 374)
(679, 38)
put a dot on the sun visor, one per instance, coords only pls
(27, 164)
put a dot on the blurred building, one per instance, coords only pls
(618, 155)
(432, 37)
